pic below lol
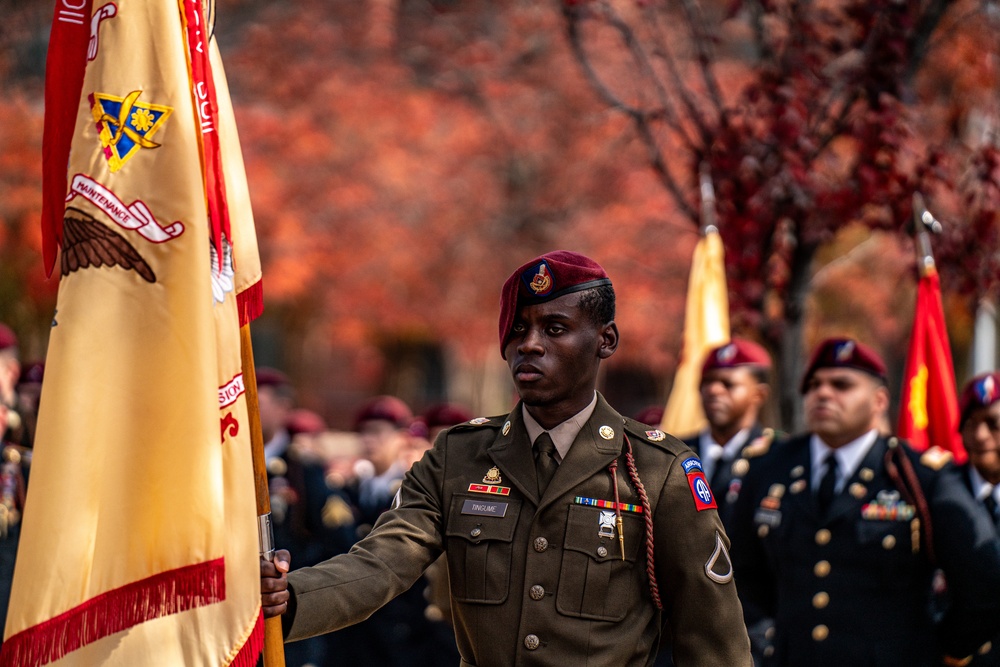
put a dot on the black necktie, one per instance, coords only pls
(545, 461)
(824, 496)
(991, 505)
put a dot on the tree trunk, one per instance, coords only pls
(790, 354)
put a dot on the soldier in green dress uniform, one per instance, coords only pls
(571, 532)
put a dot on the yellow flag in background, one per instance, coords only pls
(139, 541)
(706, 325)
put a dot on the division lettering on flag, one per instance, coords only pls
(706, 325)
(139, 537)
(928, 411)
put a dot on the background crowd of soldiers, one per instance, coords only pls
(885, 543)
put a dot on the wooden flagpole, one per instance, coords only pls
(274, 643)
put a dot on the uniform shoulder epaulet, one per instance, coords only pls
(935, 458)
(643, 430)
(481, 422)
(654, 436)
(760, 445)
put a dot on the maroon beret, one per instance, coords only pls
(545, 278)
(979, 392)
(652, 415)
(737, 352)
(445, 414)
(32, 373)
(271, 377)
(418, 428)
(7, 337)
(304, 421)
(384, 408)
(844, 353)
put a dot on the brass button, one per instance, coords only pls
(822, 568)
(537, 592)
(541, 544)
(476, 532)
(769, 633)
(822, 536)
(769, 651)
(821, 599)
(889, 541)
(763, 530)
(531, 642)
(602, 551)
(821, 632)
(985, 648)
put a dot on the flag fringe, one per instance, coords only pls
(117, 610)
(250, 303)
(250, 652)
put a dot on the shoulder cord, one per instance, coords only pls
(909, 487)
(654, 588)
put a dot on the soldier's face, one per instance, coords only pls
(731, 397)
(842, 404)
(554, 352)
(981, 437)
(381, 442)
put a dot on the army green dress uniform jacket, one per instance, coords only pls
(853, 587)
(533, 582)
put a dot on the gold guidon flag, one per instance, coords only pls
(706, 325)
(139, 537)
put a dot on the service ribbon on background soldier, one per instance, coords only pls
(139, 540)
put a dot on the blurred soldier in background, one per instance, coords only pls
(383, 424)
(837, 534)
(298, 491)
(402, 633)
(10, 366)
(734, 387)
(15, 461)
(979, 407)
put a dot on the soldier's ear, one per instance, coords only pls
(762, 391)
(609, 340)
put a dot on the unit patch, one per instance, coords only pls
(125, 125)
(656, 436)
(700, 491)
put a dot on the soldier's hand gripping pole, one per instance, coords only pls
(274, 643)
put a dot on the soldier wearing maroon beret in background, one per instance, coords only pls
(734, 387)
(979, 406)
(571, 532)
(837, 534)
(14, 464)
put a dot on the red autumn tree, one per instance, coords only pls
(810, 117)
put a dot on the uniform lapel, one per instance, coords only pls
(845, 502)
(512, 454)
(594, 448)
(800, 502)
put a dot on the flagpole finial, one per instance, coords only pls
(924, 224)
(708, 219)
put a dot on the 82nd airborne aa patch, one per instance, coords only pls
(700, 491)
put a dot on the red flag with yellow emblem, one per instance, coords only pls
(928, 412)
(139, 537)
